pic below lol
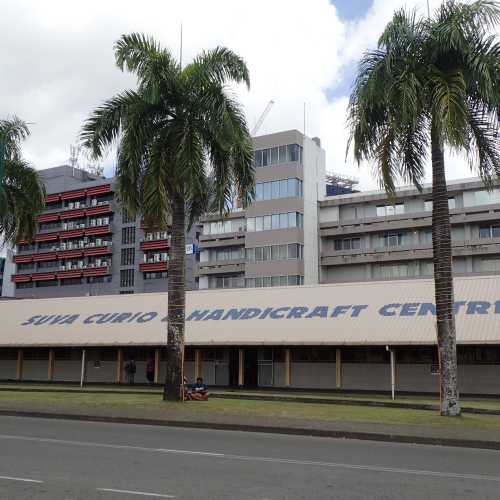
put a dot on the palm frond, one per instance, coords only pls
(12, 132)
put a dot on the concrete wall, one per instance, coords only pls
(105, 374)
(479, 379)
(416, 377)
(67, 371)
(313, 375)
(8, 369)
(366, 376)
(35, 369)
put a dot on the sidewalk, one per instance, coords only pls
(450, 432)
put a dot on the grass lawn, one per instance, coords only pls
(149, 405)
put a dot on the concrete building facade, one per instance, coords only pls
(274, 241)
(365, 237)
(87, 244)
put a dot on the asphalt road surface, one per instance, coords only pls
(58, 459)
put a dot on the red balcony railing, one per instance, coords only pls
(155, 245)
(153, 267)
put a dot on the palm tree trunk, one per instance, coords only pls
(443, 282)
(173, 390)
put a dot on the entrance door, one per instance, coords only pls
(251, 368)
(266, 368)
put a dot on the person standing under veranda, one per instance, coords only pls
(130, 369)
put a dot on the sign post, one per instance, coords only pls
(82, 375)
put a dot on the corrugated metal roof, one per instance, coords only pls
(396, 312)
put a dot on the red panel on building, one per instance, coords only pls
(48, 218)
(98, 250)
(42, 257)
(69, 254)
(69, 274)
(73, 195)
(72, 214)
(21, 278)
(51, 198)
(43, 277)
(97, 271)
(47, 237)
(93, 191)
(22, 259)
(153, 267)
(97, 230)
(103, 209)
(74, 233)
(154, 245)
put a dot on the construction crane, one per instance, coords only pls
(260, 121)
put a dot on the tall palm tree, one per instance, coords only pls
(22, 194)
(432, 83)
(183, 148)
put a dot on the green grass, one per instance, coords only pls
(148, 405)
(482, 403)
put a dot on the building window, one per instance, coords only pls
(427, 237)
(44, 226)
(391, 240)
(126, 292)
(28, 266)
(45, 284)
(428, 206)
(390, 271)
(489, 232)
(26, 247)
(155, 276)
(127, 277)
(388, 210)
(490, 265)
(71, 281)
(278, 155)
(224, 226)
(128, 235)
(20, 286)
(348, 244)
(128, 257)
(98, 279)
(127, 218)
(285, 188)
(228, 253)
(226, 282)
(275, 221)
(269, 281)
(291, 251)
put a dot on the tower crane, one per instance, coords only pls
(262, 117)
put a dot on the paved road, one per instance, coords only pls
(58, 459)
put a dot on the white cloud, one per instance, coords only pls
(56, 61)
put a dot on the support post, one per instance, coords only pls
(50, 372)
(393, 373)
(19, 367)
(241, 367)
(288, 368)
(84, 368)
(198, 363)
(119, 367)
(157, 366)
(338, 369)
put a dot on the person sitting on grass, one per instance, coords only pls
(199, 390)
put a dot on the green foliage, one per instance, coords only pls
(180, 132)
(443, 71)
(22, 194)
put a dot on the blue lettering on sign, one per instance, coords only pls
(406, 309)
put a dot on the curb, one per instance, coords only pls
(283, 399)
(295, 431)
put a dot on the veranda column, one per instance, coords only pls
(19, 366)
(50, 374)
(241, 367)
(119, 367)
(288, 368)
(157, 366)
(338, 369)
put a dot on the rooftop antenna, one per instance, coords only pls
(180, 54)
(74, 153)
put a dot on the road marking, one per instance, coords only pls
(130, 492)
(227, 456)
(22, 479)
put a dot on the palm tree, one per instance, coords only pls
(22, 194)
(432, 83)
(183, 148)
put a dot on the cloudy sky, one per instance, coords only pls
(56, 62)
